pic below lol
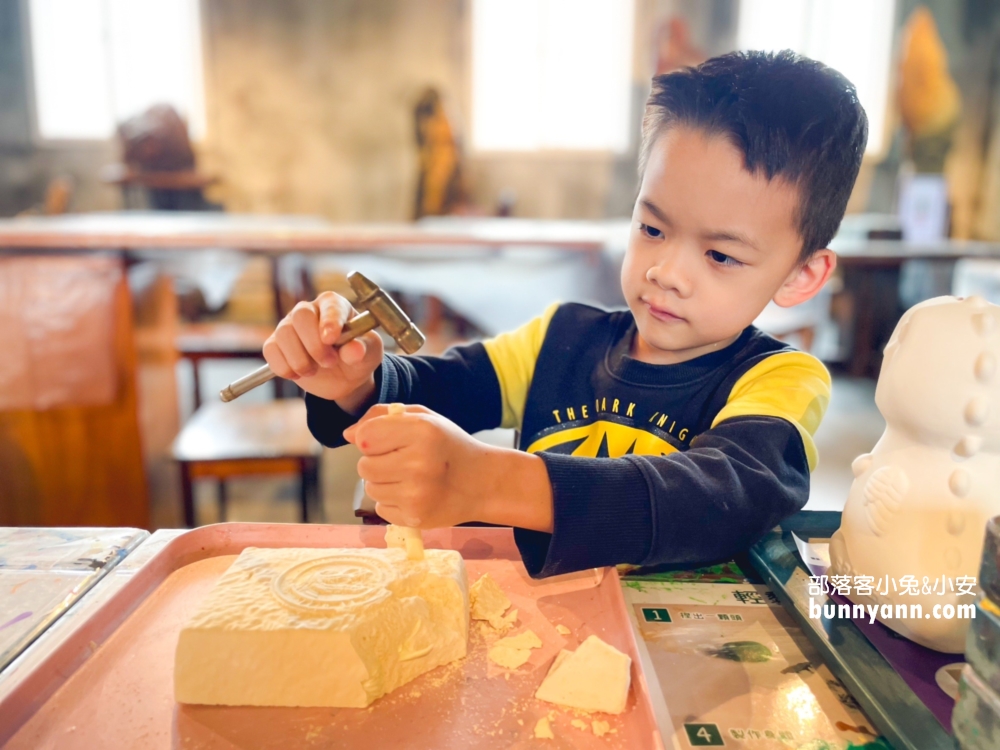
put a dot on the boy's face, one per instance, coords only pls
(710, 245)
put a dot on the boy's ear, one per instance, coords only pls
(806, 279)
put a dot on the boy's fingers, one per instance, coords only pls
(383, 469)
(334, 311)
(392, 504)
(390, 513)
(305, 321)
(353, 352)
(378, 410)
(378, 435)
(276, 360)
(382, 410)
(294, 351)
(387, 493)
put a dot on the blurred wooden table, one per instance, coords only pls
(131, 232)
(871, 266)
(139, 230)
(871, 275)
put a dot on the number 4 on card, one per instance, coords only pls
(704, 735)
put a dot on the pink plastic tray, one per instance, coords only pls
(110, 684)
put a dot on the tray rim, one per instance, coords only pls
(88, 582)
(216, 540)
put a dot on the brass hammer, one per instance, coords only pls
(378, 309)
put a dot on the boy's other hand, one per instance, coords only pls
(301, 349)
(423, 470)
(420, 468)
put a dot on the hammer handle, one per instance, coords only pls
(353, 328)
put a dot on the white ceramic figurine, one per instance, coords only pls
(918, 507)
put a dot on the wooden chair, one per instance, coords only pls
(199, 341)
(70, 463)
(222, 441)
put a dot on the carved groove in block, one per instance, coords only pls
(333, 582)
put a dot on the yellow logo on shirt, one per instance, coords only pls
(603, 439)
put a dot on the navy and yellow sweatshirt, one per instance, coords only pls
(649, 464)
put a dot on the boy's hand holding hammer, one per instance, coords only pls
(301, 349)
(421, 469)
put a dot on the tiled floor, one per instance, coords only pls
(851, 427)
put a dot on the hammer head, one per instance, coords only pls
(384, 309)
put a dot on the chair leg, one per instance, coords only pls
(304, 490)
(223, 499)
(309, 485)
(188, 495)
(276, 289)
(197, 382)
(317, 487)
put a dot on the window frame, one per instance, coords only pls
(40, 141)
(549, 153)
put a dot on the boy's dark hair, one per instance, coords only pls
(792, 117)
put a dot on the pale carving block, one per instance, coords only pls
(322, 627)
(921, 499)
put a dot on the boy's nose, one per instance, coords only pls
(670, 277)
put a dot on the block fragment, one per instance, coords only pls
(543, 730)
(513, 651)
(322, 627)
(595, 677)
(489, 602)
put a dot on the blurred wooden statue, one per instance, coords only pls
(57, 199)
(674, 48)
(440, 186)
(929, 101)
(159, 160)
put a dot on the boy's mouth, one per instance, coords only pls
(662, 314)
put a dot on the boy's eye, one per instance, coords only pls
(649, 231)
(722, 259)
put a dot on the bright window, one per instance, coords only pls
(99, 62)
(853, 37)
(551, 74)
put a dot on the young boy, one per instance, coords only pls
(673, 432)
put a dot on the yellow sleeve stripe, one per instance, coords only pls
(513, 355)
(793, 386)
